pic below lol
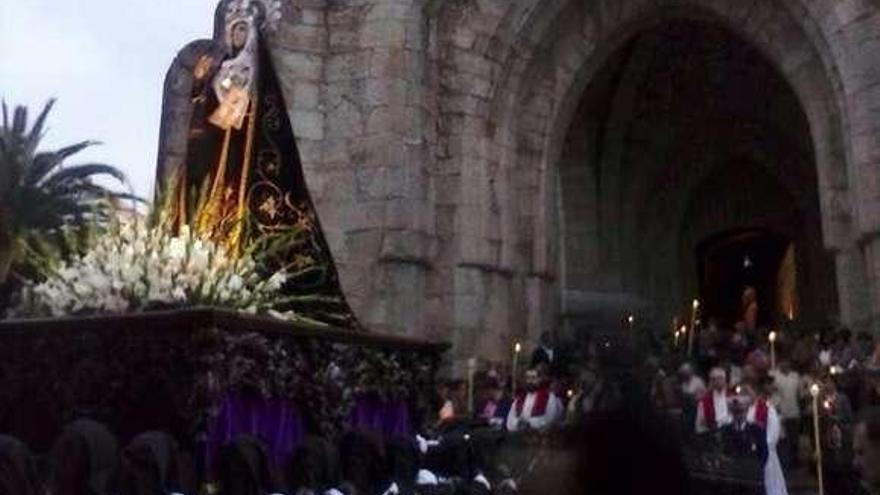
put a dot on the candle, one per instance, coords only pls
(695, 307)
(472, 369)
(814, 391)
(517, 348)
(772, 338)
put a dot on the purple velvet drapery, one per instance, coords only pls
(277, 422)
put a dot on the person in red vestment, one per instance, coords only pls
(538, 409)
(712, 411)
(763, 413)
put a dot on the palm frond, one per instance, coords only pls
(36, 134)
(45, 162)
(97, 191)
(40, 191)
(5, 116)
(79, 173)
(19, 121)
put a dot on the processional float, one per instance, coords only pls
(229, 169)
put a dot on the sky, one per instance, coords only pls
(105, 62)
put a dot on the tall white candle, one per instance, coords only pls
(772, 338)
(814, 391)
(517, 348)
(472, 369)
(695, 307)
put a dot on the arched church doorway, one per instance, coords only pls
(757, 261)
(690, 156)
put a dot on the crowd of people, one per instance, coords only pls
(586, 423)
(736, 393)
(774, 383)
(86, 459)
(554, 390)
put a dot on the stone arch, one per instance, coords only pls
(547, 59)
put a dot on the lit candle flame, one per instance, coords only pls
(696, 303)
(517, 348)
(570, 393)
(631, 318)
(772, 336)
(815, 389)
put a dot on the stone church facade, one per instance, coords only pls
(488, 169)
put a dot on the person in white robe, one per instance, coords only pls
(712, 411)
(764, 414)
(538, 409)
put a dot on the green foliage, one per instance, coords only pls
(43, 201)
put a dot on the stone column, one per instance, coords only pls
(854, 288)
(871, 284)
(376, 159)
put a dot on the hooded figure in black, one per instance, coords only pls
(313, 467)
(18, 472)
(83, 459)
(153, 464)
(245, 468)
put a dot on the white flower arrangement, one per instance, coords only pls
(133, 267)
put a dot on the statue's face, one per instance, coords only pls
(239, 35)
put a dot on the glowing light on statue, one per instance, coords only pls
(814, 391)
(772, 338)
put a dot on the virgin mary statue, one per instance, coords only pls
(228, 164)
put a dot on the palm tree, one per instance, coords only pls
(38, 193)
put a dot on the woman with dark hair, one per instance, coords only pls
(626, 454)
(361, 457)
(82, 459)
(313, 467)
(154, 464)
(836, 418)
(866, 450)
(624, 449)
(402, 465)
(18, 472)
(245, 468)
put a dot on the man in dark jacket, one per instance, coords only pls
(742, 439)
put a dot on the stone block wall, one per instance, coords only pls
(432, 131)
